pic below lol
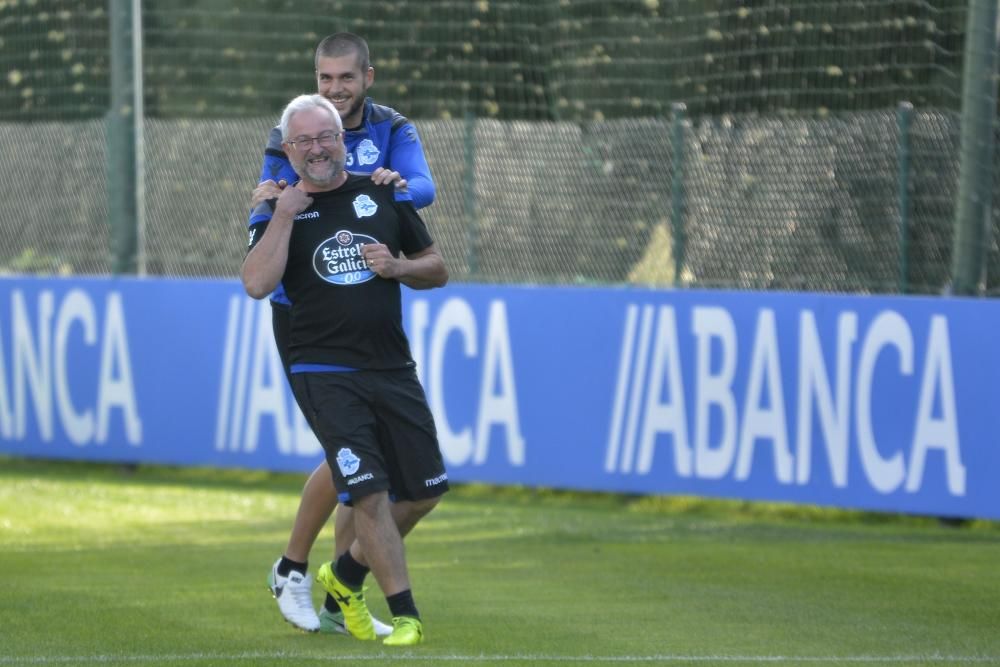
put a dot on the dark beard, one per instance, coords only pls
(354, 109)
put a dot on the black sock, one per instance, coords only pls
(401, 604)
(287, 565)
(330, 604)
(350, 571)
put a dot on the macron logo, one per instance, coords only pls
(434, 481)
(306, 216)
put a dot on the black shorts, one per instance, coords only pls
(281, 325)
(377, 431)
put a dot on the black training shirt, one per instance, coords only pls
(344, 314)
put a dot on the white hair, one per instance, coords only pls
(303, 102)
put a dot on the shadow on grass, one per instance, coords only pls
(515, 495)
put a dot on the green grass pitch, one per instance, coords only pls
(162, 566)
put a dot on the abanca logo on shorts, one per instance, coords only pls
(364, 477)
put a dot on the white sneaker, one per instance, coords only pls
(294, 596)
(332, 623)
(381, 629)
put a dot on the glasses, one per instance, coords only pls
(326, 140)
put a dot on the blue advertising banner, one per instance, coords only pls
(880, 403)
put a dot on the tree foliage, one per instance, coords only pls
(542, 60)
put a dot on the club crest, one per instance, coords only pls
(347, 462)
(367, 152)
(364, 207)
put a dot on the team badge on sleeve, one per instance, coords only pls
(364, 207)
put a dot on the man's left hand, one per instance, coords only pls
(380, 260)
(383, 176)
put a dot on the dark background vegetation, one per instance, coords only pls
(539, 60)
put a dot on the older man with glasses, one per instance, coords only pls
(381, 142)
(341, 245)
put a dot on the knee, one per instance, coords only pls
(407, 513)
(421, 508)
(375, 503)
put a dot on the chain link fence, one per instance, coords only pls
(547, 126)
(765, 203)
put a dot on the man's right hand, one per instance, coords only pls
(292, 201)
(266, 190)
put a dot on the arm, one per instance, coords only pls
(276, 165)
(275, 172)
(264, 265)
(406, 155)
(421, 270)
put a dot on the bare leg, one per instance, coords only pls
(343, 530)
(406, 514)
(379, 539)
(385, 534)
(318, 500)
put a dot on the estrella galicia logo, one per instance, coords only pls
(347, 462)
(367, 152)
(364, 207)
(339, 259)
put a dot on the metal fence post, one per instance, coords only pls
(121, 140)
(677, 189)
(904, 121)
(979, 104)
